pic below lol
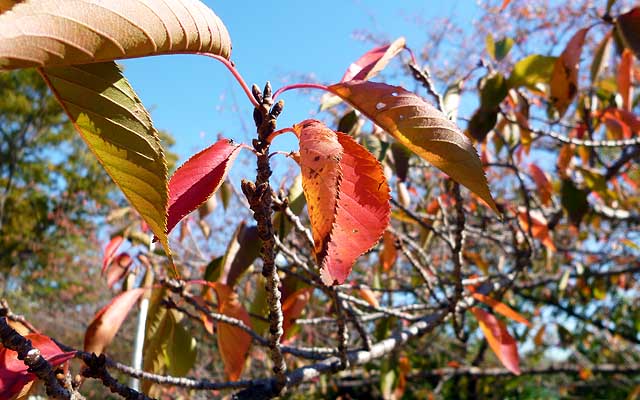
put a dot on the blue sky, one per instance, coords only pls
(196, 98)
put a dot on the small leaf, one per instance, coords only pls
(389, 251)
(564, 78)
(501, 308)
(111, 119)
(233, 342)
(13, 372)
(118, 269)
(628, 25)
(600, 57)
(347, 196)
(369, 296)
(625, 87)
(373, 61)
(199, 178)
(421, 128)
(46, 33)
(531, 71)
(110, 251)
(574, 201)
(504, 5)
(498, 50)
(539, 228)
(107, 321)
(542, 184)
(401, 157)
(538, 340)
(292, 307)
(499, 339)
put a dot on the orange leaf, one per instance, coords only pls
(389, 251)
(504, 5)
(542, 184)
(368, 295)
(421, 128)
(624, 79)
(499, 339)
(108, 320)
(564, 78)
(347, 197)
(292, 307)
(501, 308)
(621, 122)
(539, 228)
(233, 342)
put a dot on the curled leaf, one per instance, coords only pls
(421, 128)
(110, 251)
(373, 61)
(499, 339)
(199, 178)
(347, 196)
(48, 33)
(107, 321)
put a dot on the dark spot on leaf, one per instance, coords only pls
(316, 158)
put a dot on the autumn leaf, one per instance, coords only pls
(347, 196)
(110, 251)
(199, 178)
(499, 339)
(539, 227)
(564, 78)
(14, 373)
(628, 24)
(111, 119)
(373, 61)
(542, 184)
(48, 33)
(532, 71)
(292, 307)
(107, 321)
(369, 296)
(625, 88)
(504, 5)
(233, 342)
(118, 269)
(421, 128)
(501, 308)
(389, 251)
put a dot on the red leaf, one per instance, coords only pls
(373, 61)
(199, 178)
(542, 183)
(118, 269)
(629, 26)
(13, 372)
(108, 320)
(292, 307)
(501, 308)
(623, 123)
(564, 78)
(233, 342)
(625, 88)
(110, 251)
(539, 228)
(504, 5)
(499, 339)
(347, 196)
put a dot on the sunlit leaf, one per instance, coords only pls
(532, 71)
(118, 269)
(347, 196)
(13, 372)
(628, 25)
(421, 128)
(564, 78)
(625, 88)
(48, 33)
(199, 178)
(107, 321)
(501, 308)
(233, 342)
(110, 251)
(389, 251)
(539, 227)
(117, 128)
(504, 5)
(498, 50)
(373, 61)
(543, 184)
(369, 296)
(600, 57)
(499, 339)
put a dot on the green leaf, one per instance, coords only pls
(530, 71)
(349, 123)
(111, 119)
(498, 50)
(600, 57)
(181, 351)
(494, 90)
(574, 201)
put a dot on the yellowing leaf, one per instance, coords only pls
(499, 339)
(421, 128)
(233, 342)
(47, 33)
(564, 78)
(531, 71)
(347, 196)
(117, 128)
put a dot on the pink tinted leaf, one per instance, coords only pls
(108, 320)
(13, 372)
(110, 251)
(118, 269)
(501, 342)
(197, 179)
(373, 61)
